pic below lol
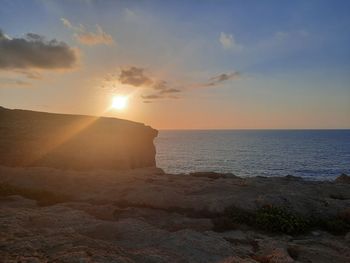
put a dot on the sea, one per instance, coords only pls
(311, 154)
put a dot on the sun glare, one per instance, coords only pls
(119, 102)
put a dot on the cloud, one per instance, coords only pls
(4, 82)
(31, 74)
(162, 88)
(91, 38)
(35, 52)
(134, 76)
(88, 37)
(155, 89)
(129, 14)
(228, 41)
(151, 96)
(160, 85)
(223, 77)
(161, 91)
(137, 77)
(218, 79)
(170, 90)
(66, 23)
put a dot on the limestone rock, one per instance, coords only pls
(143, 215)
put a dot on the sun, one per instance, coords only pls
(119, 102)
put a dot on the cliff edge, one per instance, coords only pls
(29, 138)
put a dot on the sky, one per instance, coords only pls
(181, 64)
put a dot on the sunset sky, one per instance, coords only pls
(181, 64)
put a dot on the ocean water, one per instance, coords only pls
(313, 154)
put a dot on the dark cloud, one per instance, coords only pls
(170, 90)
(135, 77)
(216, 80)
(223, 77)
(158, 89)
(160, 85)
(162, 88)
(162, 91)
(34, 52)
(151, 97)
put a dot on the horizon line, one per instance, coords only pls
(257, 129)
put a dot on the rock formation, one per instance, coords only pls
(29, 138)
(107, 214)
(142, 215)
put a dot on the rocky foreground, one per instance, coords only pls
(144, 215)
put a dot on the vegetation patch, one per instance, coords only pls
(43, 198)
(278, 220)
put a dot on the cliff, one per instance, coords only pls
(29, 138)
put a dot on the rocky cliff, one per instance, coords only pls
(29, 138)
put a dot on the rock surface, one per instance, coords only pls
(343, 178)
(29, 138)
(145, 215)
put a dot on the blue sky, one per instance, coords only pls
(292, 60)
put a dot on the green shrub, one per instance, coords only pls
(277, 219)
(273, 219)
(280, 220)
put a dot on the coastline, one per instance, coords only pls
(145, 213)
(312, 154)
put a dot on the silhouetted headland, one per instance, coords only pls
(29, 138)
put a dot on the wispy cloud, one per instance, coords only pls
(223, 77)
(218, 79)
(35, 52)
(228, 42)
(130, 14)
(11, 82)
(30, 74)
(89, 37)
(151, 97)
(162, 88)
